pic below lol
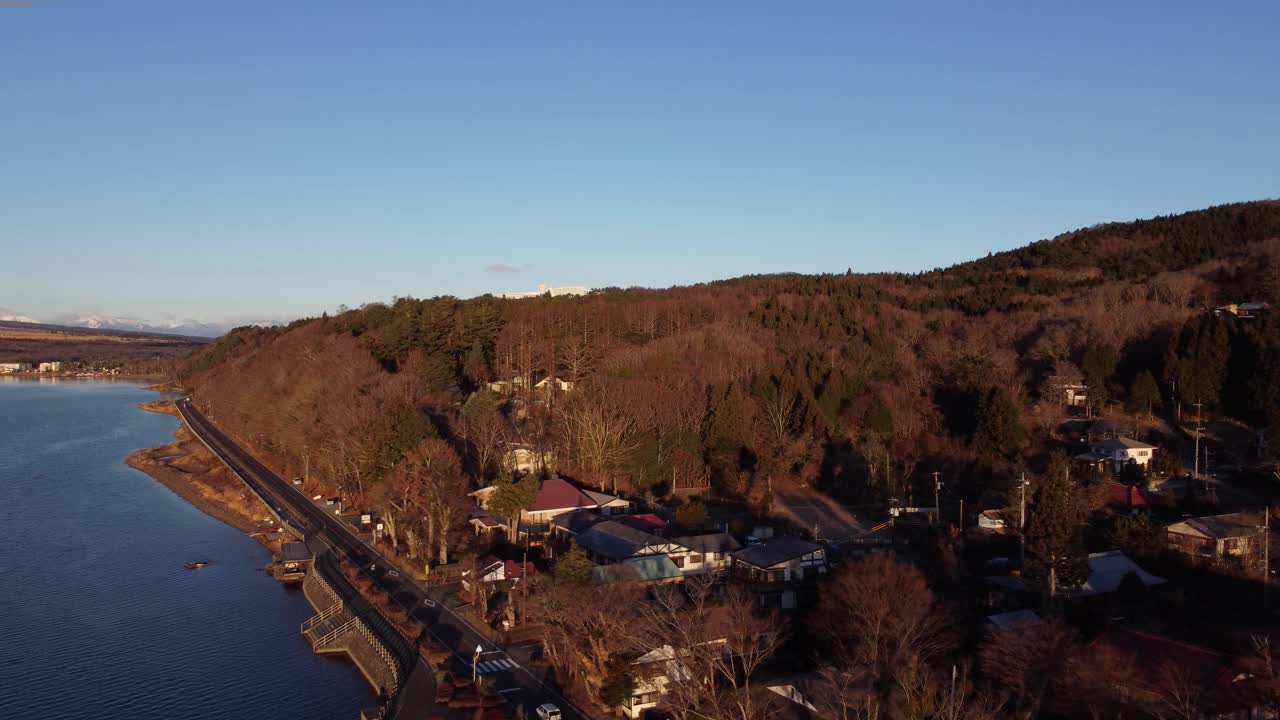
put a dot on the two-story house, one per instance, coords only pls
(777, 566)
(1113, 453)
(706, 553)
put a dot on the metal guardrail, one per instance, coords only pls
(383, 654)
(398, 646)
(325, 614)
(335, 633)
(328, 589)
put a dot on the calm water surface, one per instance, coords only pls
(99, 618)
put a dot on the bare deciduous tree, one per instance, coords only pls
(879, 613)
(599, 428)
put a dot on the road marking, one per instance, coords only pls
(493, 666)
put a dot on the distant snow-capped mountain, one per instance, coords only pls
(106, 322)
(180, 327)
(98, 321)
(8, 315)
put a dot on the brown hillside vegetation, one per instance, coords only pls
(861, 385)
(186, 467)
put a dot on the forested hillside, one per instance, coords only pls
(861, 385)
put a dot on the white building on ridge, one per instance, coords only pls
(544, 290)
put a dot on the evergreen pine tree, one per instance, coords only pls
(1098, 365)
(574, 566)
(999, 431)
(1144, 394)
(1054, 539)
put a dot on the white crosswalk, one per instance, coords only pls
(493, 666)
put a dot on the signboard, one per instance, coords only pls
(366, 519)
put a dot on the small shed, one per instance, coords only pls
(295, 560)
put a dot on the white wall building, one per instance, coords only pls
(544, 290)
(1114, 453)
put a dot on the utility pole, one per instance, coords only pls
(1022, 509)
(961, 514)
(1195, 456)
(937, 493)
(1022, 522)
(1266, 554)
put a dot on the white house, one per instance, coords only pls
(524, 459)
(50, 367)
(506, 387)
(706, 553)
(1113, 453)
(551, 382)
(15, 367)
(1069, 390)
(657, 669)
(608, 504)
(482, 495)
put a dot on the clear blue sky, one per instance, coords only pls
(275, 158)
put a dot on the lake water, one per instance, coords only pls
(99, 618)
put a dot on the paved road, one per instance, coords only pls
(502, 671)
(812, 510)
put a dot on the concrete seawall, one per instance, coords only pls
(337, 629)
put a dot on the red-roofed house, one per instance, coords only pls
(556, 497)
(648, 522)
(1153, 671)
(1125, 498)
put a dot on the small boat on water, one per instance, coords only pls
(195, 565)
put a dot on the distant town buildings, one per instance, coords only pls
(55, 367)
(544, 290)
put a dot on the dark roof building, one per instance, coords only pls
(612, 541)
(578, 521)
(294, 552)
(775, 551)
(722, 543)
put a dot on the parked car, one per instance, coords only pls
(547, 711)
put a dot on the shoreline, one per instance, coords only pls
(190, 471)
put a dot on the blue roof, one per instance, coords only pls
(651, 568)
